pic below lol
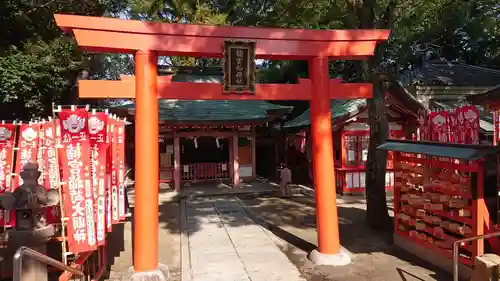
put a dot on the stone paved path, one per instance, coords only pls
(225, 244)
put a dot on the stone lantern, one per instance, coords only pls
(29, 201)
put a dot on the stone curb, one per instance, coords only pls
(305, 190)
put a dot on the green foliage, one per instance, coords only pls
(37, 75)
(38, 64)
(456, 30)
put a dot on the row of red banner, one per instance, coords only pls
(460, 125)
(82, 153)
(496, 127)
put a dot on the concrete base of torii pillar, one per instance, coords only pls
(160, 274)
(340, 259)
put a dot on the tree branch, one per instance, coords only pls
(39, 7)
(387, 18)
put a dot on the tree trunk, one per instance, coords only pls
(377, 215)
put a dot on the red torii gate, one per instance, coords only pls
(148, 40)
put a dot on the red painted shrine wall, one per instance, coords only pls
(350, 165)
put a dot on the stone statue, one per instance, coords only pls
(29, 202)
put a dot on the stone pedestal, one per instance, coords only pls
(486, 268)
(36, 240)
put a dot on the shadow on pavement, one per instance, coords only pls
(374, 256)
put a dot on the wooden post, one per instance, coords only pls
(479, 207)
(322, 148)
(146, 164)
(254, 155)
(236, 162)
(177, 164)
(230, 163)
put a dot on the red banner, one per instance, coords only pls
(115, 218)
(51, 164)
(120, 133)
(40, 155)
(496, 124)
(97, 133)
(7, 143)
(109, 170)
(439, 126)
(425, 129)
(77, 188)
(27, 152)
(452, 127)
(460, 132)
(471, 122)
(28, 149)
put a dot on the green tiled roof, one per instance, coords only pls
(338, 108)
(451, 150)
(212, 110)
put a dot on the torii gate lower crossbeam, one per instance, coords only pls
(125, 89)
(149, 40)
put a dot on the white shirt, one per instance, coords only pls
(286, 175)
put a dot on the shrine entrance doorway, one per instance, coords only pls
(205, 158)
(147, 41)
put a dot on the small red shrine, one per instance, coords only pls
(351, 134)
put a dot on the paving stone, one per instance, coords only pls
(204, 219)
(214, 244)
(251, 241)
(216, 264)
(193, 228)
(258, 250)
(268, 275)
(218, 250)
(254, 262)
(242, 276)
(246, 232)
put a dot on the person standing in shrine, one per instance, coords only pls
(285, 180)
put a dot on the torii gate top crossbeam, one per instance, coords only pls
(110, 35)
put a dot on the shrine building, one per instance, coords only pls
(351, 135)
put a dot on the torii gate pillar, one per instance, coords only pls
(146, 168)
(323, 165)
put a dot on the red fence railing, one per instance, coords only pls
(205, 171)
